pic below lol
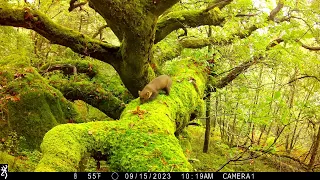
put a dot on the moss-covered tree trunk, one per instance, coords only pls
(134, 23)
(31, 106)
(144, 137)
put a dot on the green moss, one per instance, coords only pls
(185, 142)
(95, 72)
(31, 105)
(24, 163)
(166, 49)
(88, 113)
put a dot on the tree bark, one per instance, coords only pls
(314, 152)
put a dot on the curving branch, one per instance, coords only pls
(203, 42)
(279, 40)
(165, 26)
(99, 31)
(246, 15)
(310, 47)
(276, 10)
(302, 77)
(235, 73)
(186, 18)
(92, 94)
(274, 43)
(56, 34)
(199, 43)
(218, 3)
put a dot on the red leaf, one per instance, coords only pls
(15, 98)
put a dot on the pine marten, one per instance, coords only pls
(151, 90)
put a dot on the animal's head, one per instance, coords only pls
(144, 95)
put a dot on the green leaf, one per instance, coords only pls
(277, 95)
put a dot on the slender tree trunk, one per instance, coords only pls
(275, 110)
(216, 112)
(255, 103)
(219, 117)
(209, 35)
(264, 127)
(208, 124)
(234, 124)
(80, 23)
(208, 109)
(296, 135)
(222, 125)
(290, 102)
(314, 151)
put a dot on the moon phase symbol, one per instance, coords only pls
(114, 176)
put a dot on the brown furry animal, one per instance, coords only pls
(151, 90)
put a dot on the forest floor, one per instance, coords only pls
(219, 154)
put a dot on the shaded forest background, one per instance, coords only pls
(262, 93)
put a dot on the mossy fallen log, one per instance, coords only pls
(144, 137)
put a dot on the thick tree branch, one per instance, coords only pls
(310, 47)
(199, 43)
(92, 94)
(79, 43)
(276, 10)
(279, 40)
(274, 43)
(99, 31)
(203, 42)
(234, 73)
(218, 3)
(185, 18)
(107, 98)
(302, 77)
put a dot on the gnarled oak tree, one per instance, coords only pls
(144, 137)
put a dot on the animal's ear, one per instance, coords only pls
(139, 92)
(149, 93)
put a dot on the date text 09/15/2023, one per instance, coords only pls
(186, 175)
